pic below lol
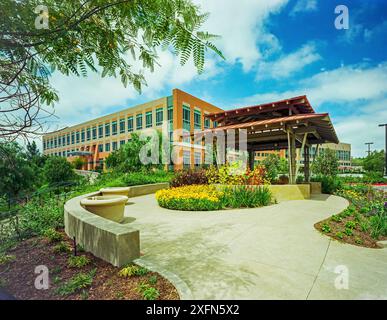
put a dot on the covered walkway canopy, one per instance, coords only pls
(286, 124)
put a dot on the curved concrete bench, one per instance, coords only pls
(116, 243)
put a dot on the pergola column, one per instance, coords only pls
(306, 164)
(251, 159)
(292, 157)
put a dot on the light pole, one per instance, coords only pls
(369, 147)
(385, 148)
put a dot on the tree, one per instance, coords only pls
(17, 174)
(79, 36)
(78, 163)
(374, 162)
(126, 158)
(326, 164)
(58, 170)
(272, 164)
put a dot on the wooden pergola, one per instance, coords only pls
(286, 124)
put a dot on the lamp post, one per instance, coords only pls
(369, 147)
(385, 148)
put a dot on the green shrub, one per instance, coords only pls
(336, 218)
(76, 283)
(246, 197)
(358, 240)
(378, 225)
(189, 177)
(146, 177)
(133, 270)
(37, 217)
(350, 224)
(58, 170)
(62, 247)
(348, 232)
(325, 228)
(148, 292)
(78, 261)
(152, 280)
(5, 258)
(329, 184)
(52, 235)
(340, 235)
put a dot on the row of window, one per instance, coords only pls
(197, 115)
(124, 125)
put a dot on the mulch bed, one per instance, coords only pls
(17, 277)
(365, 238)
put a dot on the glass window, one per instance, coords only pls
(122, 142)
(197, 119)
(114, 128)
(107, 147)
(186, 118)
(170, 113)
(88, 134)
(206, 123)
(186, 158)
(100, 148)
(55, 142)
(68, 139)
(83, 135)
(94, 133)
(77, 135)
(63, 140)
(148, 119)
(130, 124)
(72, 137)
(215, 124)
(122, 125)
(44, 145)
(198, 158)
(159, 116)
(107, 129)
(139, 122)
(114, 145)
(100, 131)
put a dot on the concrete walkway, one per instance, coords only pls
(265, 253)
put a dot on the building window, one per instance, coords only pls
(68, 139)
(94, 133)
(122, 125)
(197, 119)
(44, 145)
(63, 140)
(114, 128)
(83, 135)
(72, 138)
(100, 148)
(186, 118)
(130, 124)
(107, 129)
(122, 142)
(55, 143)
(114, 145)
(139, 122)
(100, 131)
(88, 134)
(107, 147)
(159, 116)
(206, 123)
(77, 137)
(186, 158)
(170, 113)
(198, 158)
(215, 124)
(148, 119)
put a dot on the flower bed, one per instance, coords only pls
(364, 222)
(209, 197)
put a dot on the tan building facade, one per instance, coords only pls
(94, 140)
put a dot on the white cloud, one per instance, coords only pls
(287, 65)
(304, 6)
(359, 91)
(242, 27)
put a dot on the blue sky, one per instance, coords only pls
(274, 49)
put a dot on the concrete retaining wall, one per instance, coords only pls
(287, 192)
(116, 243)
(144, 189)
